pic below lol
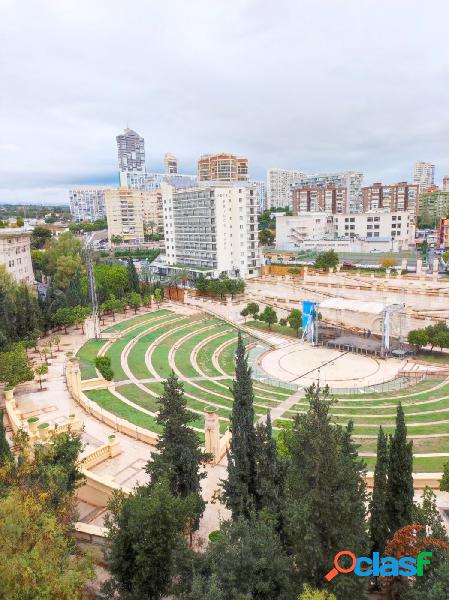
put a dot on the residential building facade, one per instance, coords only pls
(222, 167)
(446, 183)
(394, 228)
(398, 225)
(261, 191)
(444, 233)
(279, 186)
(131, 153)
(293, 231)
(432, 206)
(394, 197)
(152, 181)
(170, 164)
(15, 254)
(87, 204)
(212, 228)
(132, 213)
(329, 199)
(351, 180)
(424, 175)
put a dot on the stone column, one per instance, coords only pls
(419, 266)
(74, 375)
(435, 268)
(212, 433)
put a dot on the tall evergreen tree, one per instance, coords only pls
(400, 477)
(145, 531)
(270, 471)
(133, 277)
(325, 497)
(5, 450)
(74, 294)
(378, 505)
(239, 489)
(180, 456)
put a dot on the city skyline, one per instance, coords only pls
(306, 104)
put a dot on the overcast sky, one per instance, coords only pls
(317, 85)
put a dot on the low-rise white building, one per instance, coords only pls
(15, 254)
(373, 230)
(213, 228)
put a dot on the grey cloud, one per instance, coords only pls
(311, 84)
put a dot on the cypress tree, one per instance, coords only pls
(74, 295)
(378, 506)
(133, 278)
(400, 478)
(325, 497)
(270, 471)
(180, 456)
(239, 489)
(5, 450)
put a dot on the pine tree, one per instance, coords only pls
(325, 497)
(270, 471)
(239, 489)
(400, 477)
(378, 505)
(133, 278)
(180, 456)
(5, 450)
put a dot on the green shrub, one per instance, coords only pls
(103, 364)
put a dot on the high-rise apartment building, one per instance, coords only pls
(131, 152)
(432, 206)
(279, 187)
(170, 164)
(261, 191)
(351, 180)
(424, 175)
(153, 181)
(394, 197)
(212, 228)
(329, 199)
(15, 254)
(132, 213)
(446, 183)
(87, 204)
(222, 167)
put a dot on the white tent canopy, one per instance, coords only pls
(375, 308)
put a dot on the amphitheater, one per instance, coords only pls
(199, 348)
(197, 340)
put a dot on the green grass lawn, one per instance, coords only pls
(133, 392)
(136, 356)
(106, 400)
(420, 465)
(275, 328)
(115, 351)
(136, 320)
(425, 384)
(434, 357)
(226, 358)
(87, 355)
(184, 351)
(204, 356)
(159, 357)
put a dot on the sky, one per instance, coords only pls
(314, 85)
